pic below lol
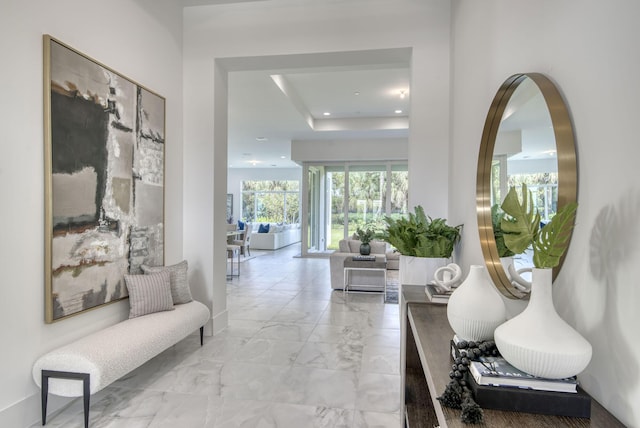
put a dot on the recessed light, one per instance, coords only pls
(398, 111)
(283, 157)
(261, 139)
(326, 113)
(356, 93)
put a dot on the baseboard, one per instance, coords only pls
(26, 413)
(219, 323)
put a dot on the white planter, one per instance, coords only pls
(538, 341)
(475, 308)
(419, 270)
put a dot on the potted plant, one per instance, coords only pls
(365, 236)
(425, 244)
(564, 353)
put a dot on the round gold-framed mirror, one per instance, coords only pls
(527, 138)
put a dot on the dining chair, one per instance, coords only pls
(245, 242)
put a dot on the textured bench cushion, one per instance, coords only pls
(109, 354)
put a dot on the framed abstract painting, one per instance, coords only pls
(104, 181)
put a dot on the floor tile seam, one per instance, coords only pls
(231, 400)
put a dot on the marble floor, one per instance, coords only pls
(296, 355)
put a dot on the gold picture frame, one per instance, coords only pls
(104, 140)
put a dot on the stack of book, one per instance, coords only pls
(436, 294)
(364, 258)
(496, 384)
(496, 371)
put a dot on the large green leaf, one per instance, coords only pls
(496, 220)
(553, 238)
(523, 223)
(420, 235)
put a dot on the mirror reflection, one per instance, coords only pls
(525, 152)
(527, 139)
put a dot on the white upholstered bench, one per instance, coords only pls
(106, 355)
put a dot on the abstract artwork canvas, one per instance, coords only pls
(104, 181)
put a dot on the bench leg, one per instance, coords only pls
(84, 377)
(201, 335)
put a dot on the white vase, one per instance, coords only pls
(475, 308)
(538, 341)
(419, 270)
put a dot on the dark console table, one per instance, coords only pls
(425, 373)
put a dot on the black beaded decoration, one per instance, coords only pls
(457, 394)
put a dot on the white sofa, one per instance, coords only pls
(279, 235)
(351, 247)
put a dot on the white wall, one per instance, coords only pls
(215, 34)
(589, 49)
(118, 34)
(236, 176)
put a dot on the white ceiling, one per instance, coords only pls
(362, 103)
(313, 84)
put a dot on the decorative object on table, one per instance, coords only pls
(437, 295)
(364, 258)
(526, 400)
(475, 308)
(365, 236)
(497, 371)
(551, 348)
(457, 394)
(445, 279)
(448, 277)
(508, 398)
(104, 181)
(425, 244)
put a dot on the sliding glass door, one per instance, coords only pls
(367, 188)
(344, 196)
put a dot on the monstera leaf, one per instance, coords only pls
(521, 227)
(554, 237)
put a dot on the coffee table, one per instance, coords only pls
(379, 266)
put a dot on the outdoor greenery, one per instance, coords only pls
(521, 228)
(420, 235)
(271, 201)
(367, 193)
(543, 186)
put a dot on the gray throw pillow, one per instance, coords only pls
(180, 291)
(148, 293)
